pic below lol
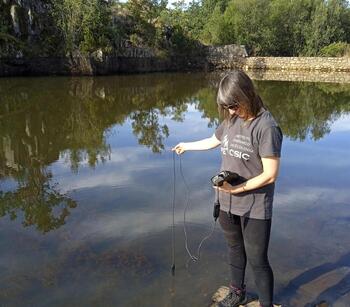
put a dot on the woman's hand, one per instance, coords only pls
(180, 148)
(204, 144)
(232, 189)
(226, 187)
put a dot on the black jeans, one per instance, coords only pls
(248, 239)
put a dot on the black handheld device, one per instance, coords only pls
(218, 181)
(227, 176)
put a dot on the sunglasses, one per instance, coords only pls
(233, 106)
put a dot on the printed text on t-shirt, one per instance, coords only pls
(239, 147)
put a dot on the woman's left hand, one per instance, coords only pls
(226, 187)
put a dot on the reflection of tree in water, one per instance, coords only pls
(148, 131)
(25, 153)
(207, 105)
(43, 120)
(301, 108)
(304, 109)
(38, 200)
(71, 118)
(152, 97)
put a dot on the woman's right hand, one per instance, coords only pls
(179, 148)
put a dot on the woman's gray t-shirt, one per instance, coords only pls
(243, 144)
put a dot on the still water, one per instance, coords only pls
(86, 191)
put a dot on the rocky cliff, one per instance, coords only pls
(30, 44)
(131, 60)
(25, 28)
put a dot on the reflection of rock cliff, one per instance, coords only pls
(9, 154)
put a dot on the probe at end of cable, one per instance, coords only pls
(216, 211)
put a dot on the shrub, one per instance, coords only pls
(336, 50)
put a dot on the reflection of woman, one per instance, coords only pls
(250, 142)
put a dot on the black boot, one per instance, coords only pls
(235, 298)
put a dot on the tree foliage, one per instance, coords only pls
(279, 27)
(265, 27)
(336, 50)
(83, 24)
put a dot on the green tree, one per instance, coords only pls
(145, 15)
(325, 26)
(195, 20)
(248, 19)
(287, 21)
(336, 50)
(83, 24)
(214, 30)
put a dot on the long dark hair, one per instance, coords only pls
(237, 88)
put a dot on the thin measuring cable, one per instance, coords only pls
(207, 236)
(192, 257)
(173, 225)
(185, 210)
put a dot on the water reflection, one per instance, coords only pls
(80, 156)
(72, 117)
(37, 199)
(43, 120)
(306, 109)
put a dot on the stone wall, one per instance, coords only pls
(297, 63)
(222, 56)
(299, 75)
(323, 64)
(234, 56)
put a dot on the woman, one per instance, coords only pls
(250, 142)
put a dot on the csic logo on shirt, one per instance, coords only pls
(231, 151)
(224, 147)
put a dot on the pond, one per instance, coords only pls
(87, 188)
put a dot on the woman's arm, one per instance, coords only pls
(204, 144)
(269, 175)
